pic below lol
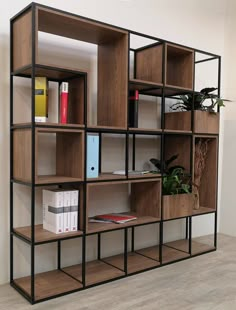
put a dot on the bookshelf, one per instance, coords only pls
(162, 69)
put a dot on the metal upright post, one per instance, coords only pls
(33, 156)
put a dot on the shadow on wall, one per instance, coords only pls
(4, 158)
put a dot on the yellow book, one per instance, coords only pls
(41, 99)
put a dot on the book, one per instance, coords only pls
(66, 211)
(41, 99)
(115, 218)
(53, 210)
(74, 209)
(133, 108)
(64, 97)
(131, 172)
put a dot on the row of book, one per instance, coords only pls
(60, 210)
(41, 100)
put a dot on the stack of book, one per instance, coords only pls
(113, 218)
(41, 100)
(60, 210)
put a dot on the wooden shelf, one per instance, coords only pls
(47, 124)
(173, 131)
(202, 210)
(56, 73)
(145, 130)
(105, 128)
(43, 235)
(107, 176)
(98, 227)
(197, 247)
(168, 254)
(144, 176)
(48, 179)
(136, 262)
(96, 271)
(49, 284)
(141, 85)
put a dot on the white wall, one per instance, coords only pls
(228, 210)
(185, 21)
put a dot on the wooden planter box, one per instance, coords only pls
(204, 122)
(175, 206)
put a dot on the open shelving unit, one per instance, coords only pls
(161, 69)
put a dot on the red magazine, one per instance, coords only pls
(115, 218)
(64, 102)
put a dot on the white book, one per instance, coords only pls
(53, 211)
(74, 203)
(66, 210)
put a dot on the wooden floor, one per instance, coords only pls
(201, 283)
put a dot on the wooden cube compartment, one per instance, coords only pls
(69, 157)
(178, 145)
(112, 57)
(149, 64)
(142, 199)
(175, 206)
(204, 122)
(179, 66)
(208, 183)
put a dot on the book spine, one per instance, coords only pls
(64, 96)
(41, 99)
(66, 211)
(133, 108)
(74, 213)
(53, 211)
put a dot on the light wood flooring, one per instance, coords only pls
(202, 283)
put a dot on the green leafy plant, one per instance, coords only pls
(174, 180)
(198, 100)
(173, 184)
(166, 164)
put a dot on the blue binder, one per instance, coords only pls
(92, 156)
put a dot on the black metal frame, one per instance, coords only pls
(128, 133)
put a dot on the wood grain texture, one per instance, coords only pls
(70, 154)
(48, 179)
(135, 262)
(75, 27)
(208, 186)
(76, 101)
(149, 64)
(22, 141)
(205, 122)
(99, 227)
(112, 83)
(56, 73)
(178, 120)
(22, 41)
(107, 176)
(96, 271)
(175, 206)
(43, 234)
(137, 84)
(49, 284)
(146, 198)
(179, 66)
(168, 254)
(180, 145)
(197, 247)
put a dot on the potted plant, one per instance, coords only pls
(178, 201)
(206, 118)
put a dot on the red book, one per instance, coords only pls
(115, 218)
(64, 102)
